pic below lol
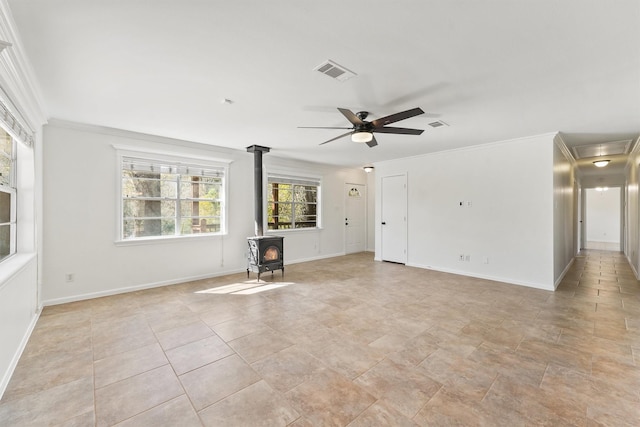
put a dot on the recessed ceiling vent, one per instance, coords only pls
(605, 149)
(335, 71)
(437, 124)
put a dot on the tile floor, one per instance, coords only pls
(342, 341)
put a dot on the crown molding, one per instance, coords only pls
(20, 88)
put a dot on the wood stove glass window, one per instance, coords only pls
(292, 203)
(162, 199)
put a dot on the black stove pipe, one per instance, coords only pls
(257, 151)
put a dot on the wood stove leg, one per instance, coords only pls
(282, 271)
(258, 276)
(247, 273)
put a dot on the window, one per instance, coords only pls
(292, 202)
(7, 195)
(170, 198)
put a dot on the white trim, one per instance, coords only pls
(18, 354)
(469, 148)
(13, 265)
(161, 155)
(564, 273)
(154, 154)
(127, 289)
(483, 276)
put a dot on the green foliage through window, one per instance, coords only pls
(292, 205)
(164, 199)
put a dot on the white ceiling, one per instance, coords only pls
(493, 70)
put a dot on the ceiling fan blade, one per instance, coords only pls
(321, 127)
(337, 137)
(403, 131)
(373, 142)
(378, 123)
(350, 116)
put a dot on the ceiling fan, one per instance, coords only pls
(362, 130)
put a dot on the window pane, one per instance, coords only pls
(5, 241)
(202, 225)
(5, 207)
(6, 143)
(279, 192)
(135, 208)
(199, 208)
(5, 170)
(148, 227)
(194, 190)
(148, 187)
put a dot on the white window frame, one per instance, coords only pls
(11, 189)
(123, 152)
(300, 178)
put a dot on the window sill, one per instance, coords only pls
(294, 230)
(14, 265)
(169, 239)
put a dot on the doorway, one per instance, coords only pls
(355, 218)
(602, 219)
(394, 219)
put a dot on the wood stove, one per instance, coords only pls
(266, 253)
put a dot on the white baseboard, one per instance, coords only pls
(16, 357)
(315, 258)
(483, 276)
(126, 289)
(133, 288)
(564, 272)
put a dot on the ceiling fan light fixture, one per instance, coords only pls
(361, 136)
(601, 163)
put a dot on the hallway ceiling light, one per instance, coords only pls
(368, 168)
(600, 163)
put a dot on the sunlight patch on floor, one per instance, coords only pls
(245, 288)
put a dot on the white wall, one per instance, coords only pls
(371, 211)
(603, 215)
(632, 238)
(80, 199)
(19, 306)
(564, 210)
(510, 221)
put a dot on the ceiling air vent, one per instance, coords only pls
(437, 124)
(335, 71)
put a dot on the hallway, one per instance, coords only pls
(337, 342)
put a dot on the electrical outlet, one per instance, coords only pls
(467, 258)
(69, 277)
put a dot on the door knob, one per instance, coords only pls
(384, 223)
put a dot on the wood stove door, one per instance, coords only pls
(355, 218)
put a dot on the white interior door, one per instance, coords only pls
(355, 217)
(394, 218)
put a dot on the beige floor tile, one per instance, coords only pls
(217, 380)
(176, 412)
(44, 371)
(52, 406)
(128, 364)
(198, 353)
(347, 340)
(288, 368)
(256, 405)
(329, 399)
(255, 346)
(127, 398)
(184, 334)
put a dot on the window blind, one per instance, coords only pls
(144, 165)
